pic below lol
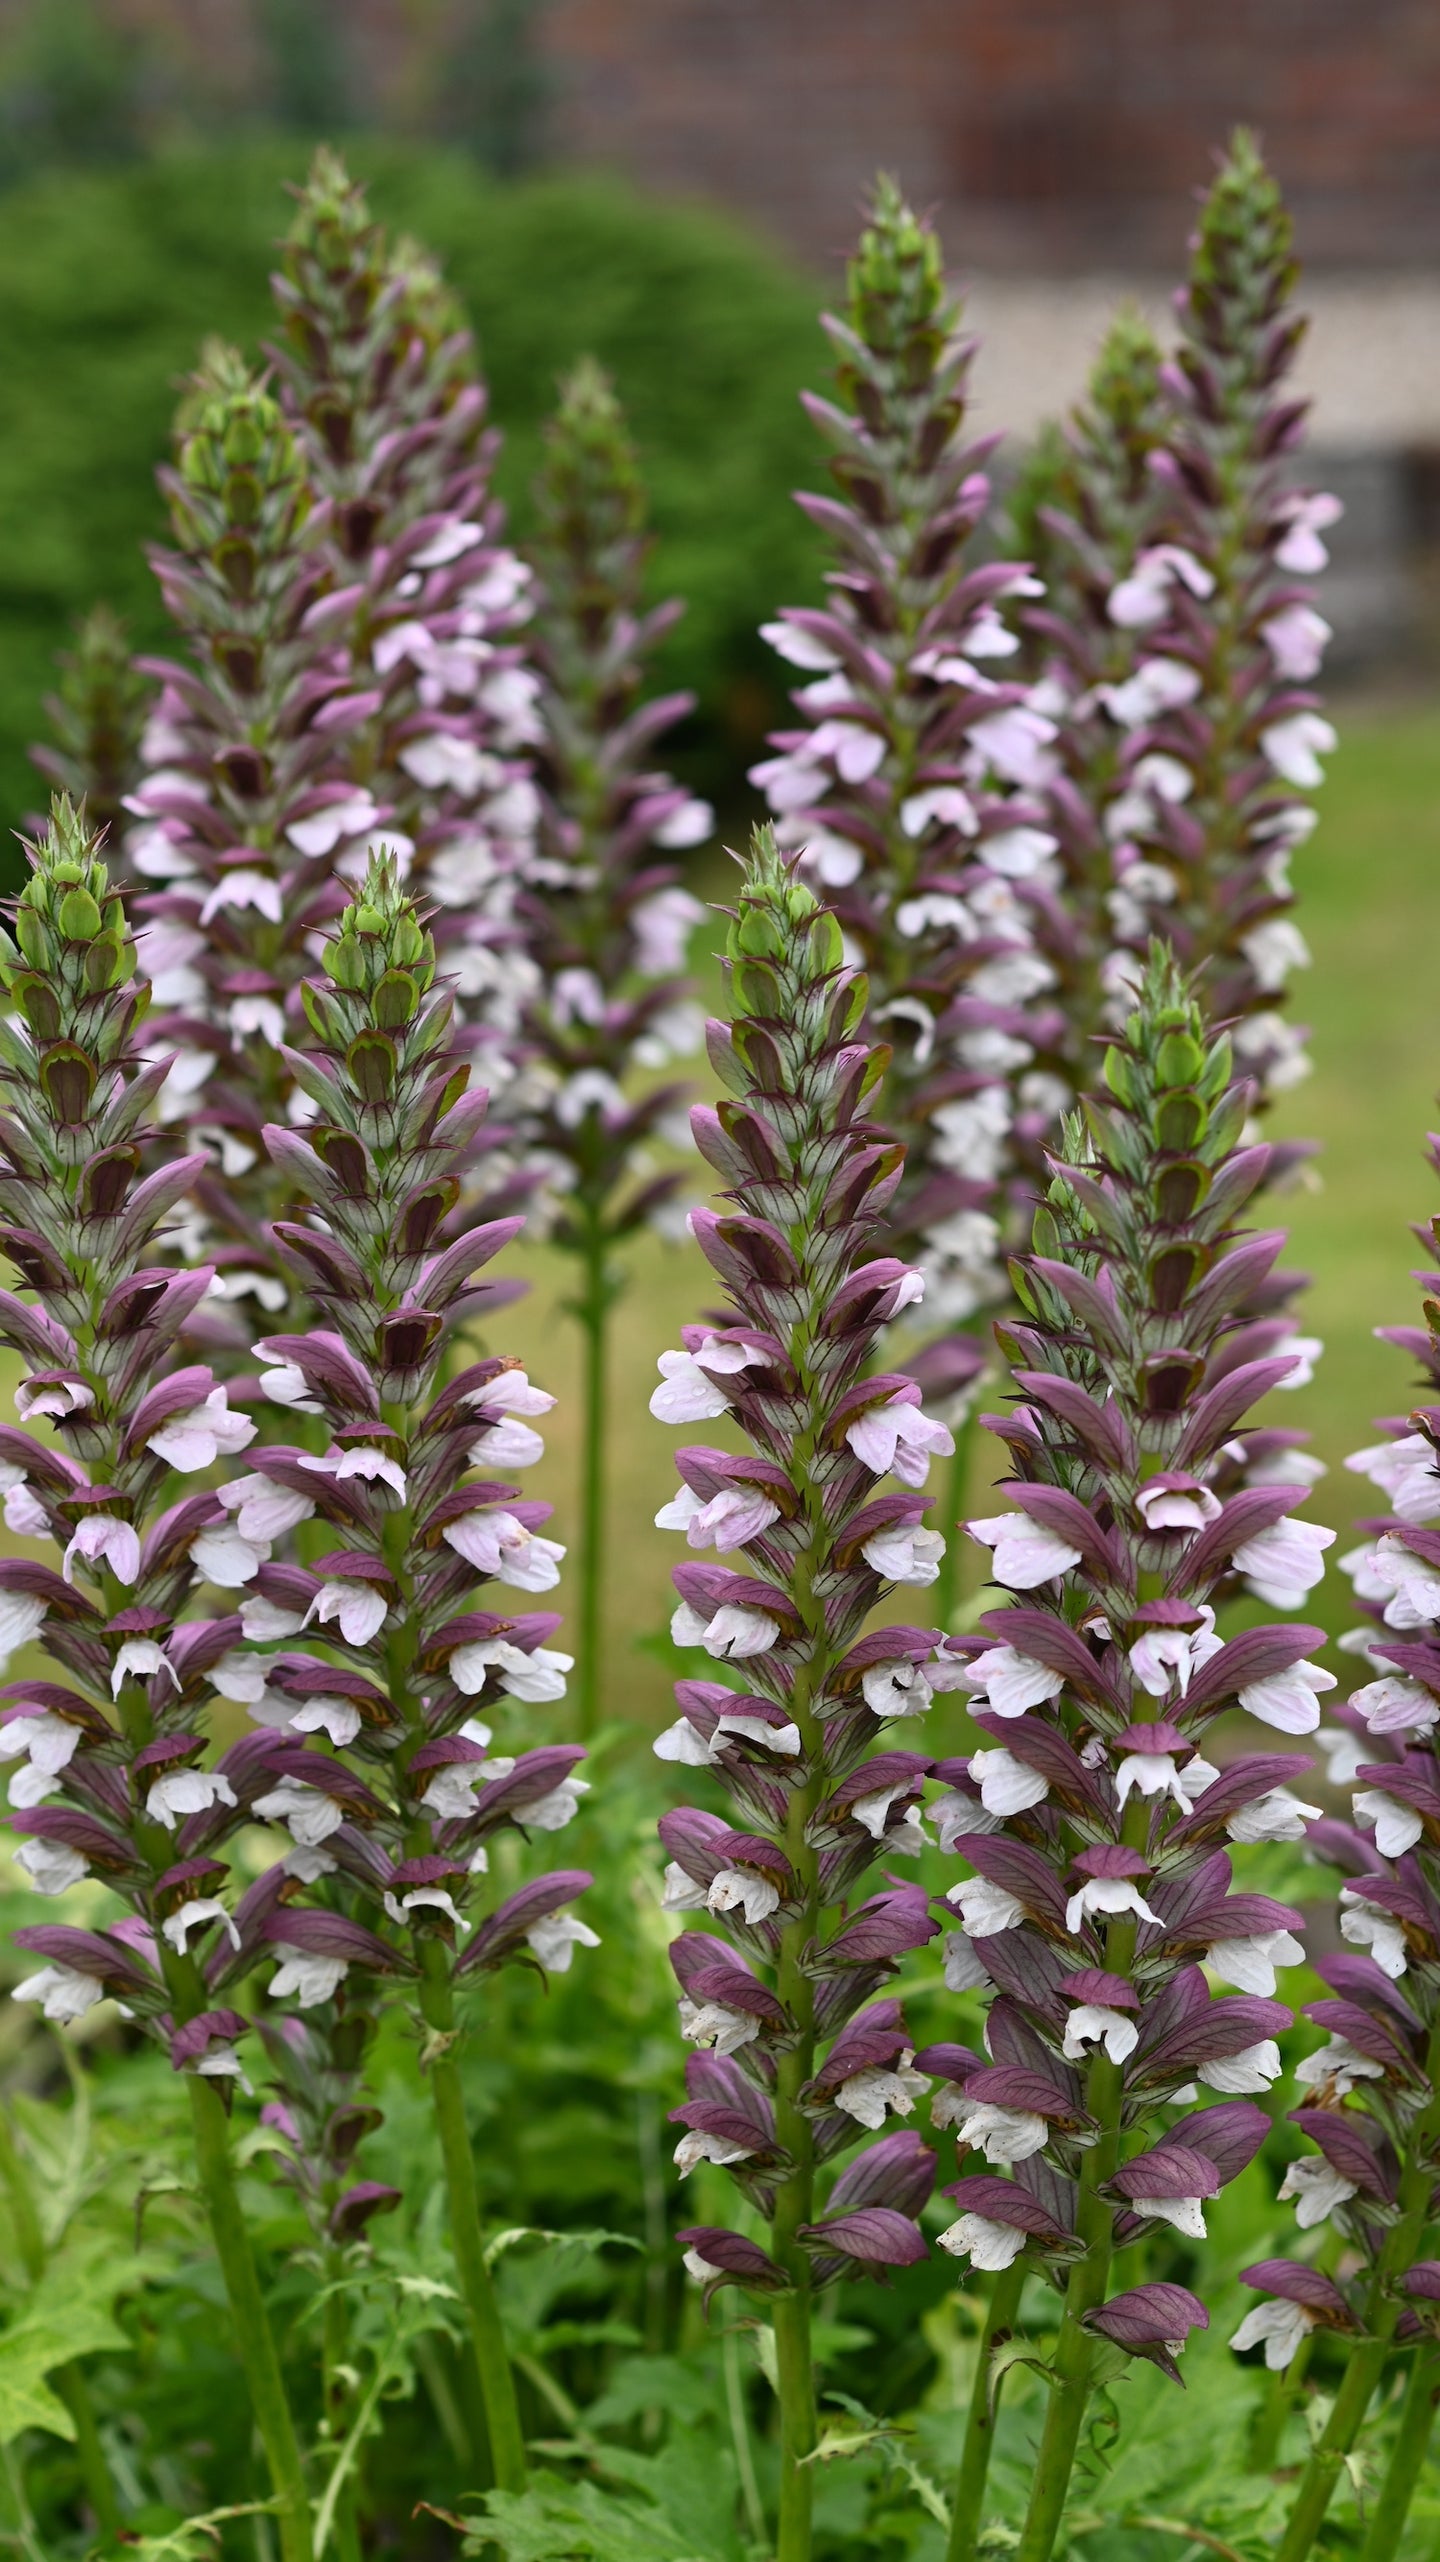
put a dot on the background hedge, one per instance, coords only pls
(109, 279)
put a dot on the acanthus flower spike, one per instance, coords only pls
(238, 756)
(376, 1727)
(1372, 2091)
(1180, 647)
(794, 2054)
(606, 915)
(1093, 1825)
(378, 374)
(111, 1773)
(914, 789)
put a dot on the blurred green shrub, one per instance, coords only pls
(109, 279)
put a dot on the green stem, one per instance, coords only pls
(796, 2378)
(1095, 2225)
(70, 2381)
(210, 2127)
(73, 2386)
(1407, 2457)
(751, 2501)
(592, 1308)
(1317, 2483)
(1074, 2352)
(980, 2422)
(338, 2398)
(482, 2310)
(1275, 2407)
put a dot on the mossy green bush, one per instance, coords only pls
(109, 279)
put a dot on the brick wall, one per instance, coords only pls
(1052, 136)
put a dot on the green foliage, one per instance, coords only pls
(109, 278)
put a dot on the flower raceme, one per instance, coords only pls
(240, 806)
(376, 1749)
(115, 1784)
(608, 921)
(794, 2054)
(1371, 2092)
(914, 788)
(112, 1775)
(391, 1263)
(1179, 645)
(378, 376)
(1094, 1826)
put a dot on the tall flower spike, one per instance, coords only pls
(915, 787)
(241, 810)
(112, 1772)
(379, 1742)
(1372, 2092)
(1183, 649)
(1094, 1827)
(607, 919)
(793, 2056)
(1085, 509)
(97, 717)
(378, 371)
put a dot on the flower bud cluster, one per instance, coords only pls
(378, 376)
(916, 785)
(1372, 2091)
(606, 916)
(795, 2055)
(1096, 1829)
(97, 717)
(376, 1749)
(112, 1773)
(1180, 645)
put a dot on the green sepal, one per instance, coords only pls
(318, 1011)
(1179, 1060)
(758, 991)
(1119, 1076)
(372, 1060)
(67, 1078)
(395, 1000)
(1181, 1122)
(38, 1003)
(33, 937)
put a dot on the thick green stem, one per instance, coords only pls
(592, 1308)
(1074, 2352)
(796, 2378)
(263, 2378)
(482, 2310)
(1317, 2483)
(70, 2381)
(1407, 2457)
(980, 2420)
